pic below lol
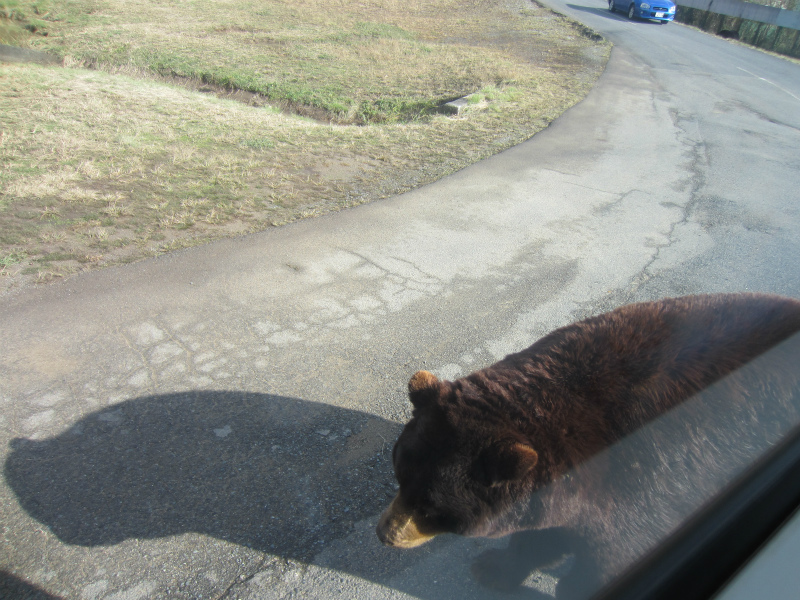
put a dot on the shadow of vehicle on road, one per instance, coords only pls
(275, 474)
(299, 480)
(19, 589)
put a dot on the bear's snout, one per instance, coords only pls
(398, 528)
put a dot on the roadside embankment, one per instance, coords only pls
(773, 29)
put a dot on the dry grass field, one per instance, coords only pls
(174, 123)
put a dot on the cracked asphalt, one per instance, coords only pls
(218, 422)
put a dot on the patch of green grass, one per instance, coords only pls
(376, 55)
(259, 144)
(149, 150)
(491, 93)
(393, 110)
(20, 18)
(382, 30)
(12, 258)
(57, 256)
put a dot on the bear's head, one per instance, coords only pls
(461, 467)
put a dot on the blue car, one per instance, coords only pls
(662, 11)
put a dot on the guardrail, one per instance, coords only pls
(770, 28)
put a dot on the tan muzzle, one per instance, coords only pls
(397, 527)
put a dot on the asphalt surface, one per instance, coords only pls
(218, 422)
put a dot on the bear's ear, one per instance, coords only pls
(504, 463)
(422, 388)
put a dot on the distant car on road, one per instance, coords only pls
(662, 11)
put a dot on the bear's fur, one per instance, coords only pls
(550, 444)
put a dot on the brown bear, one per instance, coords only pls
(599, 439)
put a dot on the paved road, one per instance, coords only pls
(217, 423)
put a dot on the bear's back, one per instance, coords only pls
(689, 391)
(628, 366)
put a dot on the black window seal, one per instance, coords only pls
(706, 551)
